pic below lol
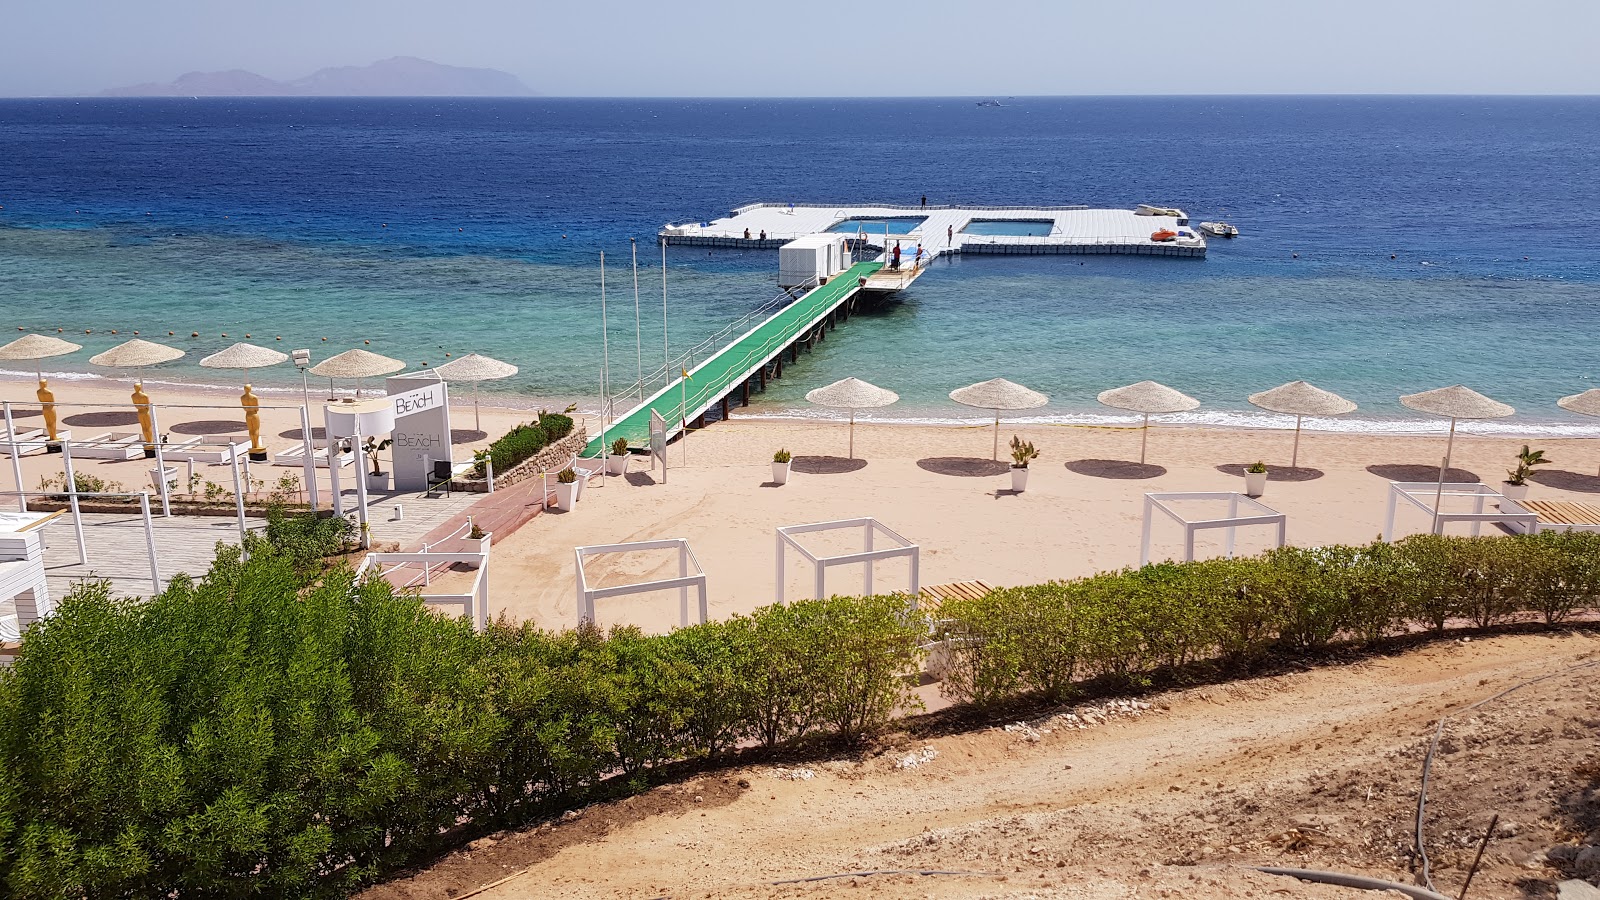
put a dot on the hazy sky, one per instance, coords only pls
(831, 47)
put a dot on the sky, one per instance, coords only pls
(757, 48)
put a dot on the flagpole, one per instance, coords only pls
(605, 356)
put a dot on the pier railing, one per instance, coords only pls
(902, 207)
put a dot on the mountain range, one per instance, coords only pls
(401, 76)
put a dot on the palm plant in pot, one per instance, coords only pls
(617, 462)
(781, 461)
(1022, 453)
(1516, 484)
(566, 489)
(1255, 479)
(377, 479)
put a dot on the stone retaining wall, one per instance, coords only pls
(546, 460)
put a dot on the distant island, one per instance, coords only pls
(401, 76)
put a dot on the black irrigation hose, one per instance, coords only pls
(1427, 761)
(1361, 882)
(876, 872)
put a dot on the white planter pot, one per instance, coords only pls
(378, 482)
(476, 545)
(1255, 483)
(1019, 479)
(566, 496)
(1514, 491)
(780, 472)
(617, 465)
(172, 479)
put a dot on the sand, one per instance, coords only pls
(932, 484)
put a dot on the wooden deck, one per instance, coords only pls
(1563, 512)
(933, 596)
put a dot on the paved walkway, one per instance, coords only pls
(499, 513)
(118, 551)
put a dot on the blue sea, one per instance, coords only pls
(1389, 244)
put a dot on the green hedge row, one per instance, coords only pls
(1043, 639)
(256, 734)
(523, 441)
(270, 731)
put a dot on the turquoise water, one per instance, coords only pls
(1388, 245)
(896, 225)
(1009, 227)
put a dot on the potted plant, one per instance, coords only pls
(1516, 484)
(171, 479)
(781, 461)
(566, 489)
(377, 479)
(617, 463)
(480, 463)
(1022, 453)
(1255, 479)
(477, 541)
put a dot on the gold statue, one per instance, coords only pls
(141, 405)
(48, 402)
(252, 422)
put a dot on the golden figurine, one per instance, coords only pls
(47, 400)
(141, 406)
(252, 423)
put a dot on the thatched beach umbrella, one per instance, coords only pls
(1584, 404)
(475, 368)
(37, 347)
(1149, 398)
(998, 394)
(244, 356)
(1456, 402)
(357, 364)
(852, 394)
(136, 354)
(1300, 398)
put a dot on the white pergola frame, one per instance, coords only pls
(1413, 491)
(690, 574)
(868, 555)
(474, 602)
(1264, 515)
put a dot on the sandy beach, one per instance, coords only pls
(1081, 513)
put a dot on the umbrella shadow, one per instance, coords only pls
(1276, 473)
(962, 466)
(26, 413)
(209, 426)
(1562, 480)
(639, 479)
(295, 434)
(1417, 472)
(827, 465)
(1115, 468)
(102, 419)
(466, 435)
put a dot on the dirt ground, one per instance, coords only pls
(1172, 795)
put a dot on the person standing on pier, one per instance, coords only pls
(917, 260)
(924, 201)
(949, 235)
(747, 234)
(894, 258)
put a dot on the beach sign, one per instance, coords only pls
(658, 443)
(421, 427)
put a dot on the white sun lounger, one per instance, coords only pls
(217, 451)
(296, 456)
(25, 442)
(111, 445)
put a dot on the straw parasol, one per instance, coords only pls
(475, 368)
(356, 364)
(244, 356)
(852, 394)
(1301, 398)
(1584, 404)
(998, 394)
(1149, 398)
(37, 347)
(136, 354)
(1456, 402)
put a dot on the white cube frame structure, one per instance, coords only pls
(474, 601)
(689, 575)
(1260, 514)
(1418, 493)
(868, 555)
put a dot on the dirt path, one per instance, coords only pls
(1317, 769)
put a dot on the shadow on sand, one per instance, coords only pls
(962, 466)
(639, 479)
(101, 419)
(1275, 473)
(1121, 469)
(826, 465)
(209, 426)
(466, 435)
(1415, 472)
(1562, 480)
(295, 434)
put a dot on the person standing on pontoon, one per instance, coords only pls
(894, 259)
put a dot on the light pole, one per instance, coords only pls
(302, 359)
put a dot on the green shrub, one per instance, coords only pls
(307, 538)
(556, 425)
(516, 445)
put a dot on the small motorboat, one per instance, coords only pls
(1164, 235)
(1220, 229)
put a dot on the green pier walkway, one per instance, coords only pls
(709, 382)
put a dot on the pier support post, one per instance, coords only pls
(777, 371)
(744, 392)
(724, 408)
(700, 421)
(764, 379)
